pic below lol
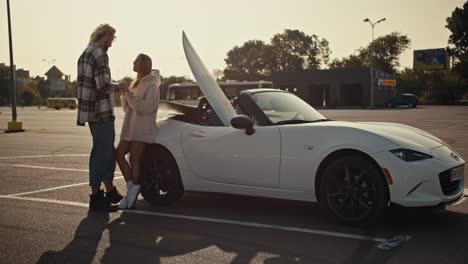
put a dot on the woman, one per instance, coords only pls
(140, 105)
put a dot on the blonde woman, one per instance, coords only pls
(140, 105)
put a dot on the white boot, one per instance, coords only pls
(133, 195)
(123, 203)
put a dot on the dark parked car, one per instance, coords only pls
(405, 99)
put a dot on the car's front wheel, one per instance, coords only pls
(160, 177)
(354, 190)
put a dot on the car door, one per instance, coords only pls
(228, 155)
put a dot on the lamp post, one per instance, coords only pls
(50, 62)
(371, 62)
(13, 126)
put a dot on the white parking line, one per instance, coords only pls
(216, 220)
(50, 168)
(45, 156)
(41, 167)
(53, 188)
(45, 168)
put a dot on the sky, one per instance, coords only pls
(47, 30)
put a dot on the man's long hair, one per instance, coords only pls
(100, 32)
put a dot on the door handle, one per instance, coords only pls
(198, 134)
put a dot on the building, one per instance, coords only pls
(191, 91)
(21, 78)
(338, 87)
(55, 79)
(54, 74)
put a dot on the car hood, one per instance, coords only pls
(402, 135)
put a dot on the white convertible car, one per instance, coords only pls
(281, 147)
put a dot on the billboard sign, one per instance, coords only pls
(430, 59)
(386, 82)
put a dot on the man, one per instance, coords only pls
(96, 106)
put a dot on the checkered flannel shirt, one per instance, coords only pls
(94, 86)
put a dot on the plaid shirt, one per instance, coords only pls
(94, 86)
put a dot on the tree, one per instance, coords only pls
(353, 61)
(458, 40)
(29, 94)
(44, 90)
(4, 86)
(441, 86)
(385, 51)
(288, 51)
(218, 74)
(383, 54)
(294, 50)
(251, 61)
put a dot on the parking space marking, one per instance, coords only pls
(50, 168)
(45, 156)
(214, 220)
(46, 168)
(54, 188)
(41, 167)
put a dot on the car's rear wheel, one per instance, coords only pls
(389, 105)
(354, 190)
(160, 177)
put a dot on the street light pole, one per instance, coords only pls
(13, 126)
(371, 61)
(50, 62)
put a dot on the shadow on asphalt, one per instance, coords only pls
(135, 238)
(83, 247)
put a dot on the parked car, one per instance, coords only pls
(404, 99)
(281, 147)
(270, 143)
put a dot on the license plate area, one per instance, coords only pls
(457, 173)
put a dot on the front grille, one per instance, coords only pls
(450, 180)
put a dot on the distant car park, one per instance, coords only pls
(409, 100)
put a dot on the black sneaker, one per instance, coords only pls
(114, 196)
(97, 202)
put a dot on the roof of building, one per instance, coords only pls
(54, 71)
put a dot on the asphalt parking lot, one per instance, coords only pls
(44, 216)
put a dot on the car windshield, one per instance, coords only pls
(286, 108)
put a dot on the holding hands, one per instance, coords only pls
(123, 86)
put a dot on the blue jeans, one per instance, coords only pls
(102, 159)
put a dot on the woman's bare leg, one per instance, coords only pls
(136, 153)
(122, 149)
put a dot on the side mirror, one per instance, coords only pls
(243, 122)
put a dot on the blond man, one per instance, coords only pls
(96, 107)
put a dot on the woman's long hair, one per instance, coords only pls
(147, 66)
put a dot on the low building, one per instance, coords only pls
(338, 87)
(191, 91)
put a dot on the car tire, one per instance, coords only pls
(160, 177)
(389, 105)
(354, 190)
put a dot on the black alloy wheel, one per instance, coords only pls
(160, 177)
(354, 190)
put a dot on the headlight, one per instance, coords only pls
(410, 155)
